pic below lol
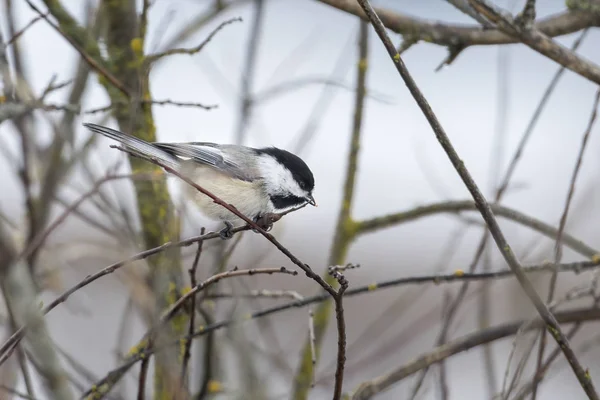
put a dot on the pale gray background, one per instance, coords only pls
(399, 155)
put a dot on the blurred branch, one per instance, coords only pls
(482, 204)
(285, 87)
(345, 227)
(144, 349)
(38, 240)
(538, 40)
(248, 72)
(103, 272)
(375, 386)
(375, 224)
(78, 38)
(561, 228)
(16, 393)
(20, 293)
(193, 283)
(21, 356)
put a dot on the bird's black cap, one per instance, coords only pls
(300, 171)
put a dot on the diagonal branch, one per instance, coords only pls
(482, 204)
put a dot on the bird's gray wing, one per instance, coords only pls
(232, 160)
(136, 145)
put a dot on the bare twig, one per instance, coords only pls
(152, 58)
(311, 338)
(336, 273)
(144, 365)
(561, 228)
(188, 344)
(18, 34)
(154, 102)
(482, 204)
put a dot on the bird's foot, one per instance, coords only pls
(227, 232)
(266, 221)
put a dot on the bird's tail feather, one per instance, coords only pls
(137, 145)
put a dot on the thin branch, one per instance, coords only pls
(341, 353)
(193, 283)
(534, 120)
(312, 340)
(561, 228)
(18, 34)
(154, 102)
(16, 393)
(152, 58)
(482, 204)
(283, 88)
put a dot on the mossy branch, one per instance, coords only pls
(157, 214)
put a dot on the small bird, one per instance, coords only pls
(256, 181)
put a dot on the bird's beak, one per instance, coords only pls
(311, 200)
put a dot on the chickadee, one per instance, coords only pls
(256, 181)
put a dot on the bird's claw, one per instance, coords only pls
(265, 222)
(227, 232)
